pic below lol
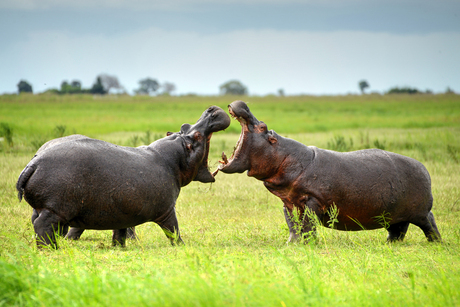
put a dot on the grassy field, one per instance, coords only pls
(234, 229)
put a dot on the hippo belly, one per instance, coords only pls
(369, 187)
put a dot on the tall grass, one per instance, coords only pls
(234, 229)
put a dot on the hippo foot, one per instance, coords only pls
(131, 233)
(119, 237)
(177, 242)
(304, 238)
(74, 233)
(293, 238)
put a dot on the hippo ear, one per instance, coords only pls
(185, 128)
(271, 138)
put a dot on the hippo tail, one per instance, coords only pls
(24, 177)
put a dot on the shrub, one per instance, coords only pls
(7, 133)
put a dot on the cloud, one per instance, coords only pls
(138, 4)
(178, 5)
(264, 60)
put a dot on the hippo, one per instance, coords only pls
(91, 184)
(74, 233)
(358, 190)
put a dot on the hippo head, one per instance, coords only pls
(256, 150)
(194, 141)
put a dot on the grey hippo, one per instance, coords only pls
(91, 184)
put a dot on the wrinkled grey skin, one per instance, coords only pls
(91, 184)
(370, 188)
(74, 233)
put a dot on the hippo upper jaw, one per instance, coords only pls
(195, 141)
(213, 119)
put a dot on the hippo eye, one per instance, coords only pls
(262, 127)
(197, 136)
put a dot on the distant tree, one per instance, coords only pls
(449, 90)
(147, 86)
(233, 87)
(109, 82)
(76, 84)
(363, 85)
(98, 88)
(281, 92)
(24, 87)
(72, 88)
(403, 90)
(64, 86)
(168, 88)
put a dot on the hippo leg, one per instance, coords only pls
(293, 226)
(74, 233)
(397, 231)
(119, 237)
(170, 227)
(63, 228)
(299, 227)
(312, 216)
(46, 225)
(131, 233)
(34, 215)
(428, 225)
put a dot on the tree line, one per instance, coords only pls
(105, 83)
(363, 85)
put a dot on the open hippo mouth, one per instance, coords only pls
(214, 119)
(196, 140)
(239, 160)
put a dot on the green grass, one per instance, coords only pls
(93, 116)
(234, 229)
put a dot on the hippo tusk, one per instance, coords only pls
(215, 172)
(224, 158)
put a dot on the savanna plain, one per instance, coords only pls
(234, 229)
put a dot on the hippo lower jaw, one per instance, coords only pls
(233, 165)
(204, 175)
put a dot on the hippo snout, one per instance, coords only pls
(213, 119)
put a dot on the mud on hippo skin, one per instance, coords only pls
(91, 184)
(371, 188)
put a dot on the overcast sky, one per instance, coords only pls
(303, 47)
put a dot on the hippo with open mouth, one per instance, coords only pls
(370, 188)
(91, 184)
